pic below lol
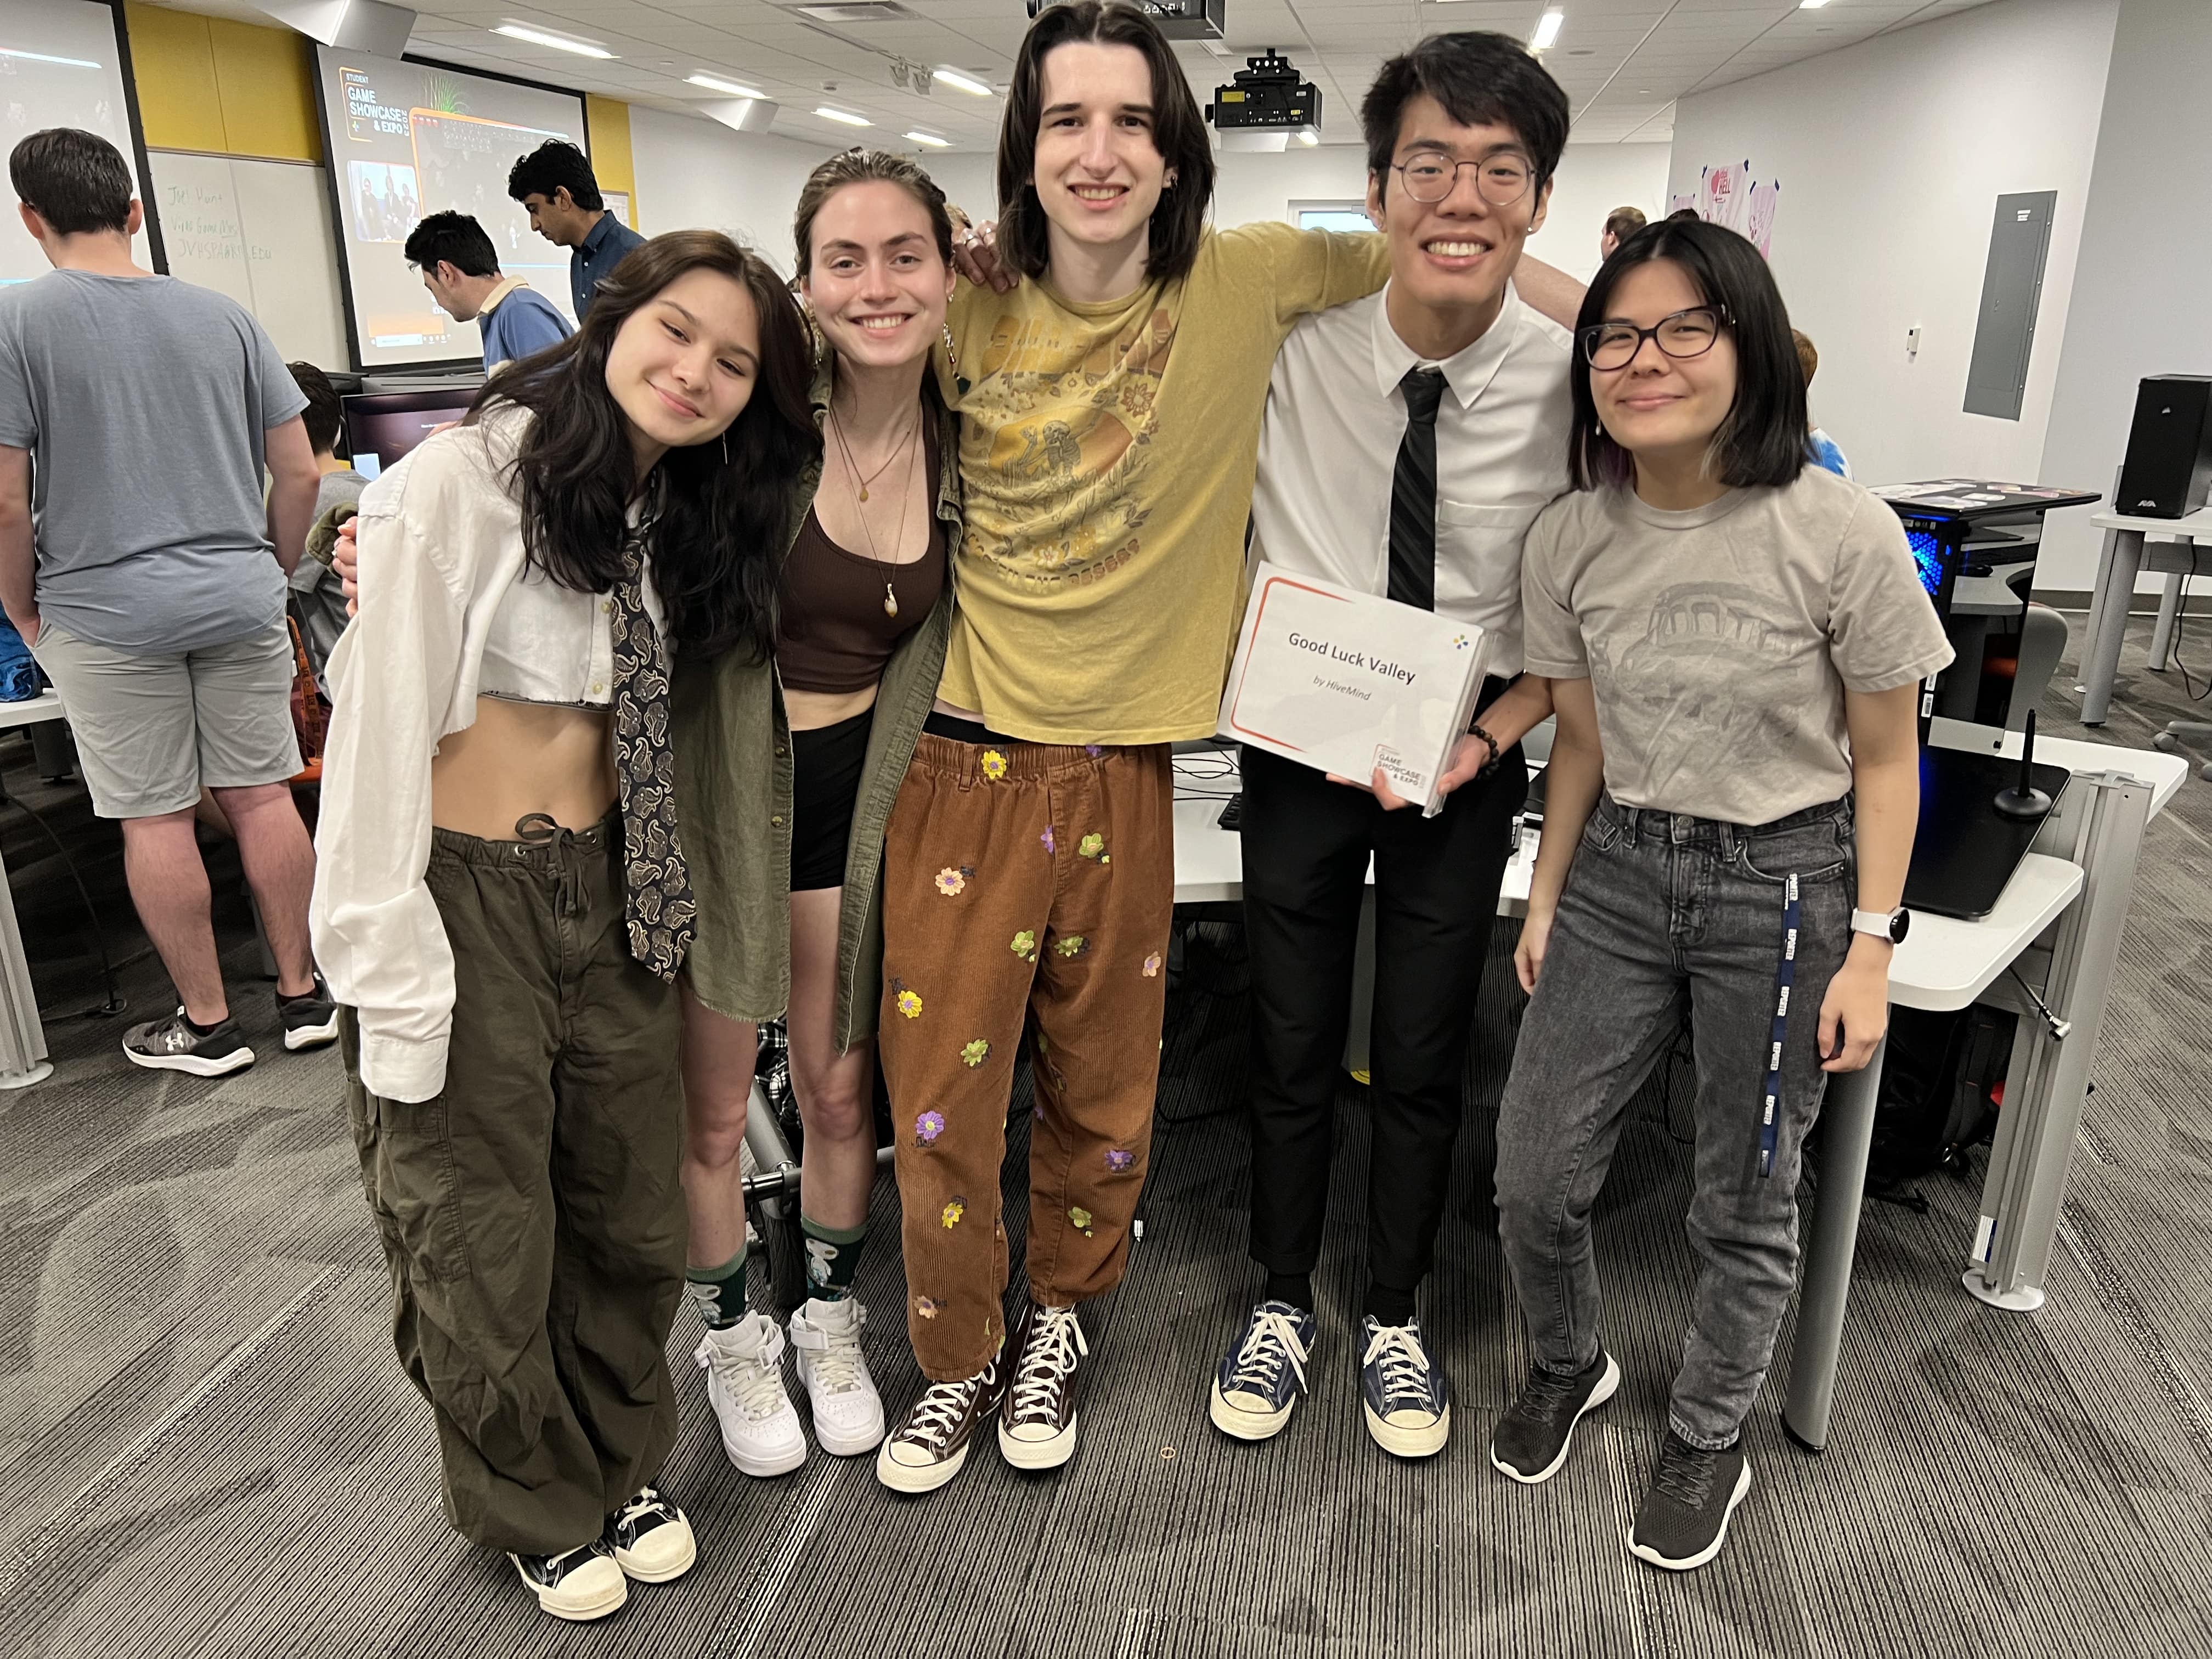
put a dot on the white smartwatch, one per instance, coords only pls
(1891, 925)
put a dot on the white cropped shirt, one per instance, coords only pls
(450, 611)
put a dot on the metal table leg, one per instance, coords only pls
(1824, 1285)
(2100, 653)
(2161, 634)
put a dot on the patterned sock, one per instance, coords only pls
(718, 1293)
(832, 1257)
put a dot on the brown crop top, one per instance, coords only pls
(834, 633)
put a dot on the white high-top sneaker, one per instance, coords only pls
(848, 1414)
(744, 1384)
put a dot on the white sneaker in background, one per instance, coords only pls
(744, 1384)
(848, 1414)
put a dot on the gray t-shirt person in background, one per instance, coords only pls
(144, 401)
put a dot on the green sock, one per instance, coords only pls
(718, 1293)
(832, 1257)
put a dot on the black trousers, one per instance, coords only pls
(1307, 843)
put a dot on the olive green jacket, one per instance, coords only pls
(733, 794)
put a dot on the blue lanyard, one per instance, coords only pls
(1785, 976)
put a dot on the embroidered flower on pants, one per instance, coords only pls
(951, 1213)
(1081, 1218)
(976, 1052)
(950, 881)
(1120, 1162)
(907, 1002)
(1025, 945)
(994, 765)
(1152, 965)
(1050, 846)
(1074, 945)
(925, 1307)
(1090, 847)
(927, 1127)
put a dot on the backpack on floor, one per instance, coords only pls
(1942, 1082)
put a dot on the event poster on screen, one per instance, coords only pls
(406, 139)
(60, 67)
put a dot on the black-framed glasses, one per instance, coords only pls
(1500, 179)
(1689, 333)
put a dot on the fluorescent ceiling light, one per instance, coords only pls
(845, 115)
(930, 139)
(953, 77)
(1811, 5)
(1309, 137)
(730, 86)
(559, 43)
(1547, 30)
(43, 58)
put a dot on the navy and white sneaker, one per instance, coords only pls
(1402, 1389)
(650, 1539)
(580, 1584)
(1259, 1380)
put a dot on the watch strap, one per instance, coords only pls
(1880, 923)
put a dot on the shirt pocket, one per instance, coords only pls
(1478, 550)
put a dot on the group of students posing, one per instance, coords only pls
(733, 661)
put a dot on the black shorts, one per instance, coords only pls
(825, 765)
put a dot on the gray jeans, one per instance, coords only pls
(1664, 914)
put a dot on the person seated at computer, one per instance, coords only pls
(504, 900)
(460, 268)
(1734, 639)
(318, 604)
(1822, 450)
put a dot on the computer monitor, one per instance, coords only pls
(383, 426)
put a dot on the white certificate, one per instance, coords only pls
(1347, 682)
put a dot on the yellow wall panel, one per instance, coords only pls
(608, 122)
(262, 78)
(172, 60)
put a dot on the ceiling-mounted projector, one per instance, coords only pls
(1265, 100)
(1179, 20)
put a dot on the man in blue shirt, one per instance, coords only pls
(460, 268)
(555, 182)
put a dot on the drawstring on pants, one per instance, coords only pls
(540, 829)
(1785, 974)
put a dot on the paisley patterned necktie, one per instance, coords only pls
(657, 901)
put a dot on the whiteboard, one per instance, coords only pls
(260, 232)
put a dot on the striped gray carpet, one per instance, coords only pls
(205, 1448)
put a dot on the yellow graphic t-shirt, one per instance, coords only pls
(1107, 453)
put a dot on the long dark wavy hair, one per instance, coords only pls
(718, 549)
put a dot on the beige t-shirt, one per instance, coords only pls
(1719, 641)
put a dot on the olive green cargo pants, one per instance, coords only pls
(533, 1214)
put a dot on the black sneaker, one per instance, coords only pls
(1683, 1520)
(172, 1045)
(583, 1582)
(1535, 1436)
(650, 1539)
(310, 1019)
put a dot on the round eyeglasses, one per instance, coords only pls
(1689, 333)
(1501, 180)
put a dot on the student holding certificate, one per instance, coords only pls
(1411, 439)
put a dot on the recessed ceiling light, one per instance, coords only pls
(1547, 30)
(968, 83)
(930, 139)
(844, 117)
(1811, 5)
(731, 87)
(558, 42)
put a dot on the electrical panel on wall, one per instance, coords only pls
(2012, 290)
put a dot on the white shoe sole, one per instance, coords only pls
(917, 1477)
(1608, 1386)
(851, 1444)
(1037, 1454)
(237, 1060)
(764, 1468)
(660, 1574)
(1242, 1425)
(580, 1612)
(1409, 1443)
(297, 1037)
(1642, 1553)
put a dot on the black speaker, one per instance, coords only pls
(2169, 464)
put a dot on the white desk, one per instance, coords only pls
(23, 1039)
(2070, 892)
(2125, 556)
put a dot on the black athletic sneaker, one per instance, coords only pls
(583, 1582)
(310, 1019)
(172, 1045)
(1683, 1520)
(650, 1539)
(1533, 1438)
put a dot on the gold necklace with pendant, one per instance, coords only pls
(906, 501)
(898, 448)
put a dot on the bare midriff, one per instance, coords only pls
(522, 758)
(809, 711)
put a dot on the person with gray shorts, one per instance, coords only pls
(141, 566)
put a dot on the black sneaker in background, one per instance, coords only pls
(310, 1019)
(175, 1044)
(1533, 1438)
(1683, 1520)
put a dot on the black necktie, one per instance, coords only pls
(1413, 493)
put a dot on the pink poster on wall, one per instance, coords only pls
(1727, 195)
